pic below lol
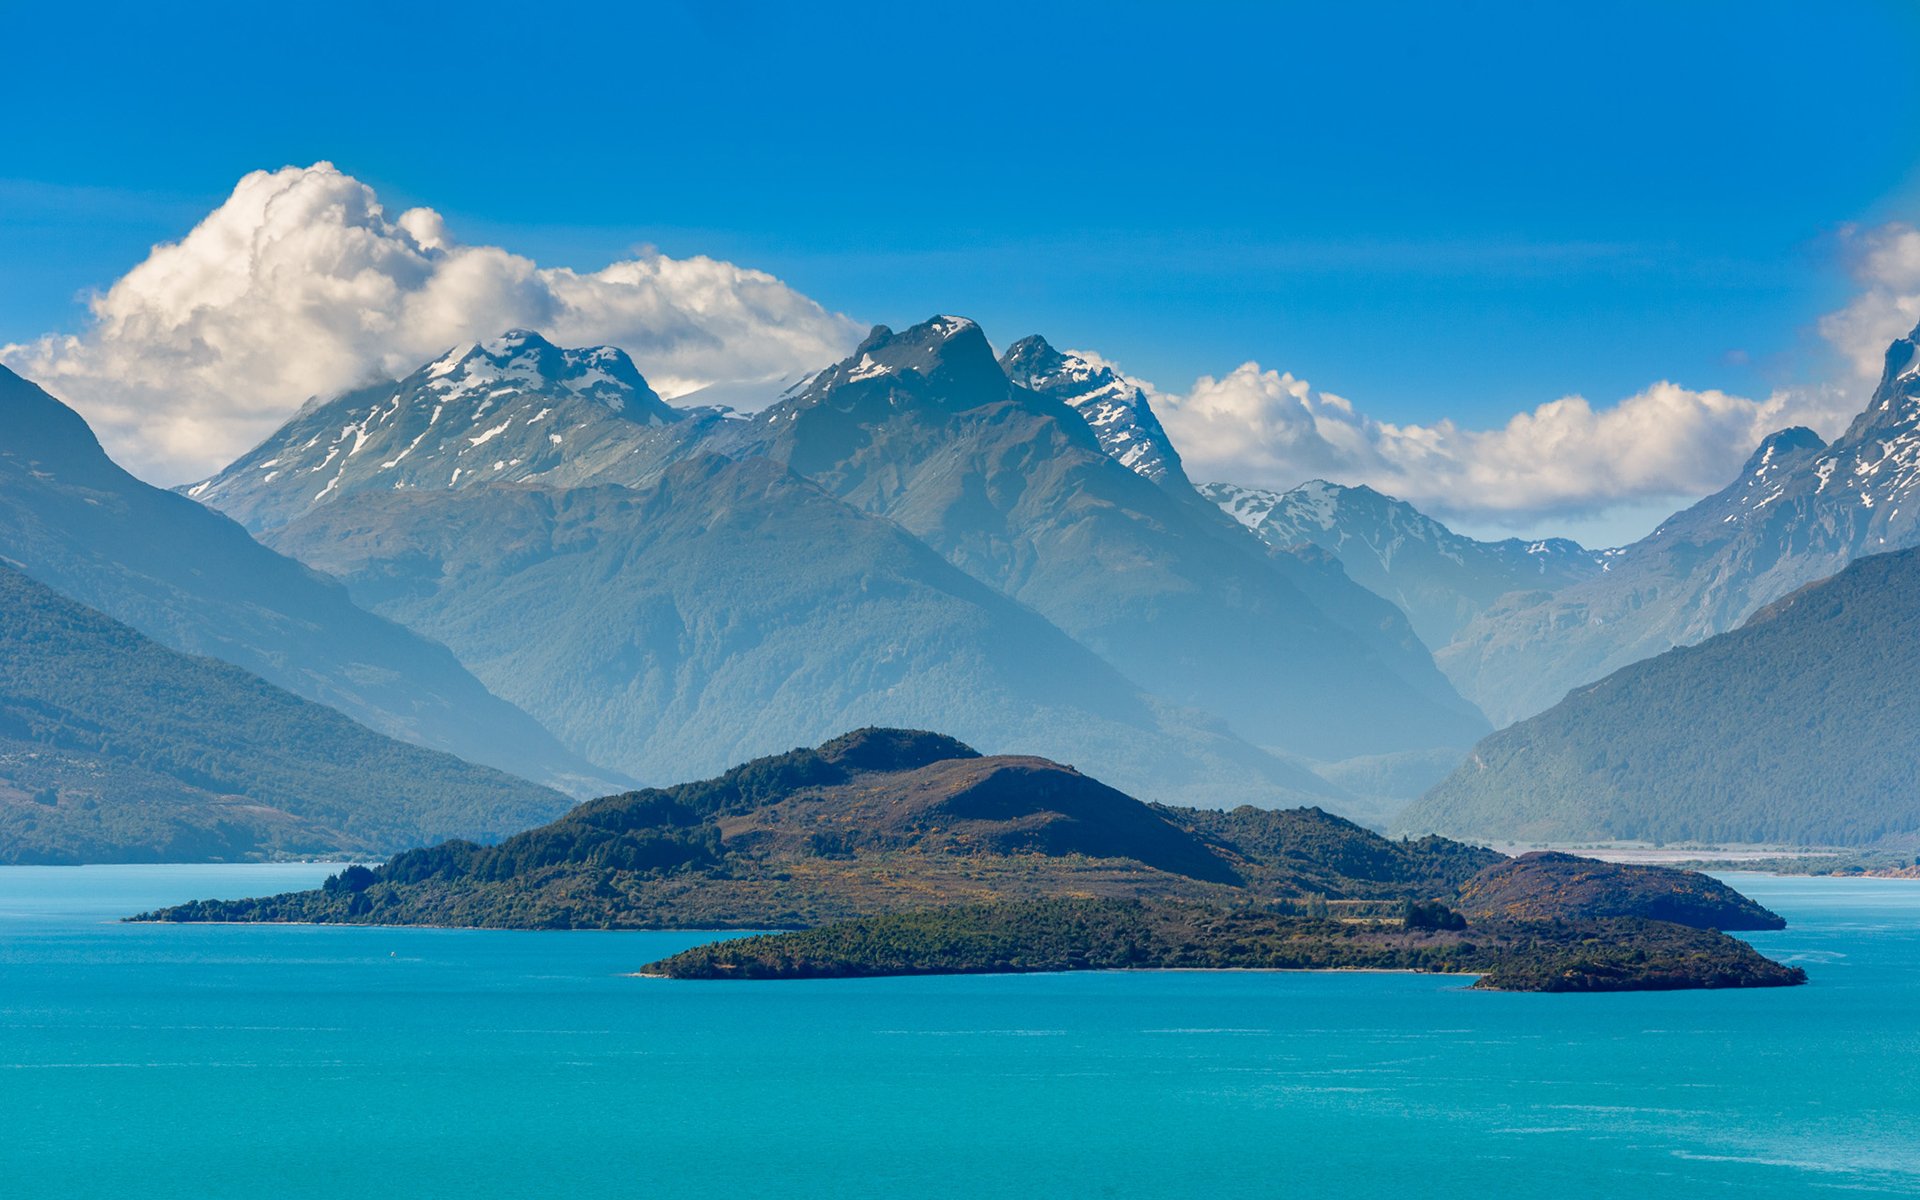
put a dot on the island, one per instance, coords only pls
(1619, 954)
(889, 851)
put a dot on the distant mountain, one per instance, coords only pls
(512, 409)
(730, 608)
(1799, 511)
(1796, 728)
(925, 428)
(922, 430)
(116, 749)
(194, 581)
(1439, 578)
(1115, 407)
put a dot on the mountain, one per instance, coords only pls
(511, 409)
(693, 610)
(730, 608)
(1115, 407)
(195, 582)
(875, 820)
(925, 428)
(1439, 578)
(935, 858)
(115, 749)
(1796, 728)
(462, 555)
(1799, 511)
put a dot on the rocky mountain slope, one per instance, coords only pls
(1439, 578)
(115, 749)
(1794, 729)
(1799, 511)
(194, 581)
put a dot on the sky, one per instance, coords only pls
(1356, 240)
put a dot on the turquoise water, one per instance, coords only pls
(298, 1062)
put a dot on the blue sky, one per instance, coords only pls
(1447, 210)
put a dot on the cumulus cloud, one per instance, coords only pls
(1885, 260)
(301, 284)
(1565, 457)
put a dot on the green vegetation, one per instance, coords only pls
(1068, 935)
(900, 852)
(1795, 729)
(876, 820)
(116, 749)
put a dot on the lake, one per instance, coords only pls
(233, 1061)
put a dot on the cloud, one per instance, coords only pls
(1564, 457)
(1885, 261)
(300, 284)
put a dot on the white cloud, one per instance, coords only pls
(1565, 457)
(300, 284)
(1885, 260)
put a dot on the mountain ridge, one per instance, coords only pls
(114, 748)
(1799, 511)
(196, 581)
(1793, 729)
(1439, 578)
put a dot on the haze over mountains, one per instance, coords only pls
(114, 748)
(1439, 578)
(584, 584)
(194, 581)
(908, 535)
(1795, 729)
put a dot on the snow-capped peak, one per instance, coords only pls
(947, 357)
(1114, 406)
(508, 408)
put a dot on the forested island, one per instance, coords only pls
(896, 851)
(1617, 954)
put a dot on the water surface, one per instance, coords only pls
(235, 1061)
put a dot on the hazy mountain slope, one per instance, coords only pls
(194, 581)
(732, 608)
(1799, 511)
(1796, 728)
(1439, 578)
(925, 428)
(114, 748)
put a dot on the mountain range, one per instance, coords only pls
(196, 582)
(114, 748)
(1799, 511)
(1439, 578)
(909, 536)
(521, 555)
(1796, 729)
